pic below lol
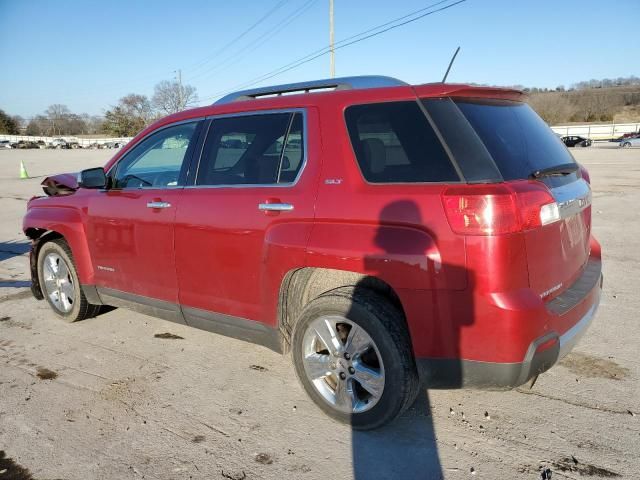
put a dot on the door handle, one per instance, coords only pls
(275, 207)
(158, 205)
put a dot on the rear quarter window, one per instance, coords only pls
(394, 143)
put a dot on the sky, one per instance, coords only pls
(88, 54)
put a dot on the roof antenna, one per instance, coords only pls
(444, 79)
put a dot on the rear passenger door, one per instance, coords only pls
(246, 217)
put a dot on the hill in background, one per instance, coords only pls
(594, 101)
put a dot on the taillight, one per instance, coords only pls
(499, 208)
(584, 173)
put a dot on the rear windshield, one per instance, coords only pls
(394, 143)
(517, 139)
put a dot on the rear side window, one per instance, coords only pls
(260, 149)
(519, 141)
(394, 143)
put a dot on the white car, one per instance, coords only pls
(630, 142)
(59, 143)
(5, 144)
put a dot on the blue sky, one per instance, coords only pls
(88, 54)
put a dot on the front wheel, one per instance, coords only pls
(352, 354)
(60, 284)
(626, 145)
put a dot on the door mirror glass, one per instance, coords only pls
(92, 178)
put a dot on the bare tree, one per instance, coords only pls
(58, 115)
(171, 96)
(38, 125)
(20, 122)
(553, 107)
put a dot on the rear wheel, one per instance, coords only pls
(626, 145)
(60, 284)
(352, 354)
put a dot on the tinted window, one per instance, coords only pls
(157, 160)
(293, 152)
(467, 148)
(519, 141)
(394, 142)
(251, 150)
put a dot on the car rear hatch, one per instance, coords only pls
(504, 142)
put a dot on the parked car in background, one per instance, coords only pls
(25, 144)
(576, 141)
(630, 142)
(387, 235)
(5, 144)
(625, 136)
(58, 143)
(117, 144)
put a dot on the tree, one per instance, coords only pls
(38, 125)
(94, 124)
(553, 107)
(20, 123)
(8, 124)
(171, 96)
(58, 115)
(131, 115)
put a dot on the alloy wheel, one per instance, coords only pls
(343, 363)
(58, 282)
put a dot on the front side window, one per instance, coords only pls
(262, 149)
(157, 160)
(394, 142)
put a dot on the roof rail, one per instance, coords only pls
(344, 83)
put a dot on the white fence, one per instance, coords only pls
(605, 131)
(80, 141)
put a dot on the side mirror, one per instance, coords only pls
(92, 178)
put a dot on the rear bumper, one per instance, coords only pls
(543, 352)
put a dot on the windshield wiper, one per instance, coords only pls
(556, 170)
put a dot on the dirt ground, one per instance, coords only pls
(107, 399)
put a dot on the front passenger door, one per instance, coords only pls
(130, 225)
(233, 242)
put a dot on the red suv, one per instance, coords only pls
(388, 235)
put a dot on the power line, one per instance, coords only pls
(342, 44)
(84, 92)
(239, 37)
(256, 43)
(346, 43)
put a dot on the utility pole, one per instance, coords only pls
(180, 99)
(332, 65)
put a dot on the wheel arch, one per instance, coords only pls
(38, 237)
(45, 224)
(301, 285)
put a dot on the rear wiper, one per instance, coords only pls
(556, 170)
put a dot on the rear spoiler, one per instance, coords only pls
(461, 90)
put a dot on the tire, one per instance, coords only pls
(387, 366)
(626, 145)
(60, 284)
